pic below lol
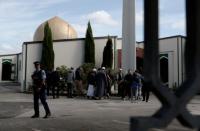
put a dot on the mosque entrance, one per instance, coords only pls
(164, 69)
(6, 70)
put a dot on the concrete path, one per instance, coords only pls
(78, 114)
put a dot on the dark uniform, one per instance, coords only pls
(39, 77)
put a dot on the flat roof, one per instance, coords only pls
(74, 39)
(162, 38)
(10, 54)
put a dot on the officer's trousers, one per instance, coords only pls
(42, 96)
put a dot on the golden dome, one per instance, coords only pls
(60, 30)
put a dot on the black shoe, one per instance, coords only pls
(47, 115)
(35, 116)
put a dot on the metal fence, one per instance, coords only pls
(173, 104)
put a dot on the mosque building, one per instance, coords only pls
(69, 51)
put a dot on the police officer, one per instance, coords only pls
(39, 78)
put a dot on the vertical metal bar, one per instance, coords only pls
(151, 48)
(172, 105)
(192, 47)
(193, 38)
(192, 62)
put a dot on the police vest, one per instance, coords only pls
(37, 77)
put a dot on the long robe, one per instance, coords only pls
(101, 83)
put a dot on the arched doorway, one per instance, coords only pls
(164, 70)
(6, 71)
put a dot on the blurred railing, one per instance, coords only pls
(173, 104)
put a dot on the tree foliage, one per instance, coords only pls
(89, 46)
(62, 70)
(108, 54)
(47, 59)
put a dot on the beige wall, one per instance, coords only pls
(169, 46)
(174, 47)
(19, 79)
(181, 45)
(69, 53)
(23, 68)
(33, 54)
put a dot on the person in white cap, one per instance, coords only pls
(103, 68)
(101, 84)
(91, 83)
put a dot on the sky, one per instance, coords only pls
(20, 18)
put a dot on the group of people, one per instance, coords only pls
(132, 85)
(74, 80)
(99, 83)
(71, 79)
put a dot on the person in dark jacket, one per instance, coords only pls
(55, 78)
(128, 80)
(39, 87)
(78, 81)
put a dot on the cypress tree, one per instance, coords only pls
(89, 46)
(108, 54)
(47, 59)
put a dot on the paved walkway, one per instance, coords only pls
(76, 114)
